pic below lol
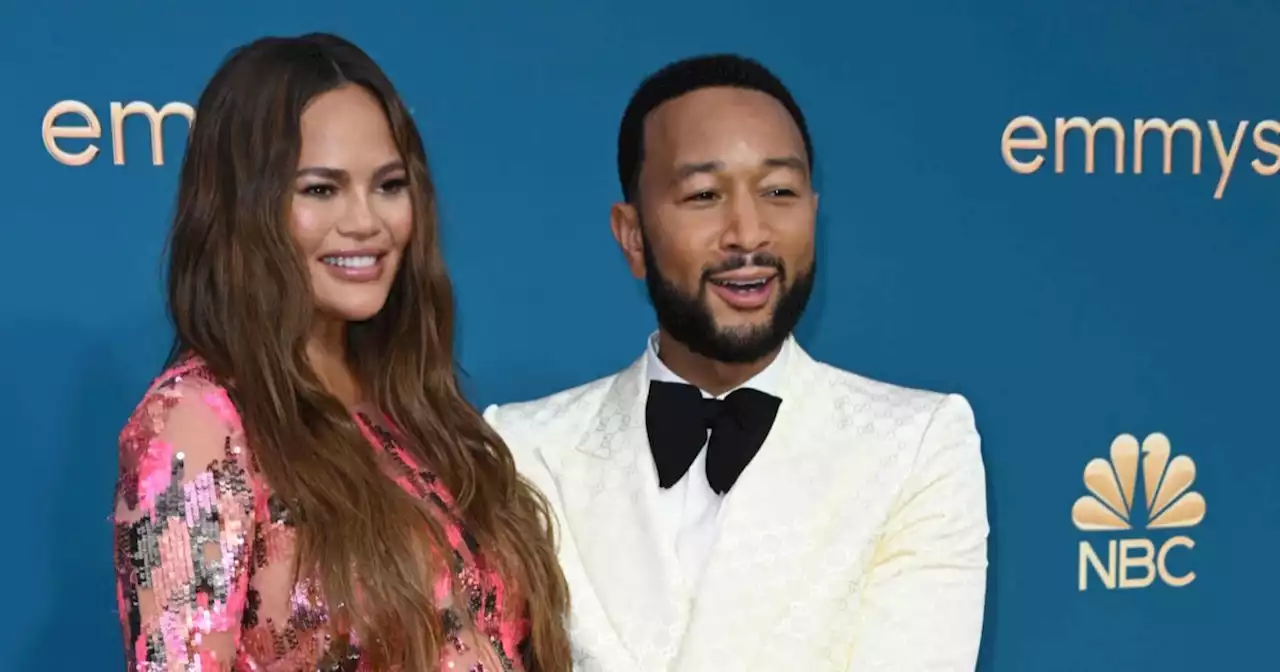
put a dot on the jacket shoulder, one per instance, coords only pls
(858, 400)
(558, 412)
(877, 391)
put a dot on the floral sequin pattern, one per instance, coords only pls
(204, 552)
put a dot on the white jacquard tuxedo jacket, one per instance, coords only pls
(855, 541)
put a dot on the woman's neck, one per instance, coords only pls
(327, 354)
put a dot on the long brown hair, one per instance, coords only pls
(240, 297)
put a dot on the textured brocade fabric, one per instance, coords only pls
(204, 553)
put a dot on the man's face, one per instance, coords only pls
(723, 229)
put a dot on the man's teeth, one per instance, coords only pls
(351, 262)
(742, 284)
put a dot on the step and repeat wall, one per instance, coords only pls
(1066, 211)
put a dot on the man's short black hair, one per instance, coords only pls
(686, 76)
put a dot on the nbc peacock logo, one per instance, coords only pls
(1168, 503)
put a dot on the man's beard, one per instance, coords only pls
(688, 319)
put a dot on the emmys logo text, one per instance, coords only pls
(1132, 561)
(69, 122)
(1025, 143)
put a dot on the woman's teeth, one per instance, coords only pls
(351, 262)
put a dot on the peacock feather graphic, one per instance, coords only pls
(1166, 485)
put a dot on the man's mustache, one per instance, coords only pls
(733, 263)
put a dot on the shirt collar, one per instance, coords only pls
(768, 381)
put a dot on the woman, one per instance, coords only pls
(306, 487)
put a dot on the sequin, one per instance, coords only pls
(204, 551)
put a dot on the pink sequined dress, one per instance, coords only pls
(204, 551)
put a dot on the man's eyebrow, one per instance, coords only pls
(687, 170)
(792, 162)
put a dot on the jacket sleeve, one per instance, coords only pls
(922, 608)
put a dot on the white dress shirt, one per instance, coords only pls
(690, 508)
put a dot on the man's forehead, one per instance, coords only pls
(713, 103)
(715, 116)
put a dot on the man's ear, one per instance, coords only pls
(625, 222)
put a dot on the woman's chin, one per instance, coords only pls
(353, 311)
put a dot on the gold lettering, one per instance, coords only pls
(1008, 143)
(1089, 557)
(1140, 128)
(1162, 562)
(1226, 159)
(1266, 146)
(1143, 561)
(1090, 131)
(1127, 555)
(120, 112)
(1266, 138)
(51, 133)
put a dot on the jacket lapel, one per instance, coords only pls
(608, 488)
(766, 529)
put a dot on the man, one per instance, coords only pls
(727, 503)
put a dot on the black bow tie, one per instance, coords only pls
(678, 417)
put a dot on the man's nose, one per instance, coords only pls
(746, 229)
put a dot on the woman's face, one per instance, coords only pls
(351, 214)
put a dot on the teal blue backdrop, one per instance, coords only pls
(1069, 307)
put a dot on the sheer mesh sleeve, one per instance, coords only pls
(466, 648)
(185, 500)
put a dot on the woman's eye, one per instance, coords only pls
(395, 186)
(320, 190)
